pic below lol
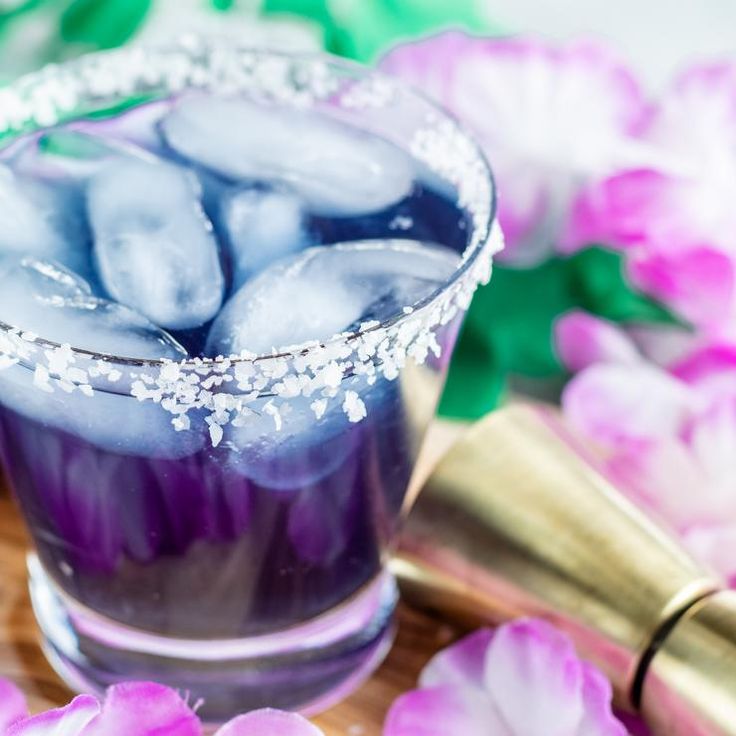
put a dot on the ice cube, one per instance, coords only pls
(153, 244)
(290, 453)
(261, 226)
(311, 296)
(323, 291)
(57, 164)
(45, 298)
(297, 447)
(274, 311)
(40, 220)
(335, 167)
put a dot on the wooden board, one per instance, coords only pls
(22, 661)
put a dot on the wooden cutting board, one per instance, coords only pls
(22, 661)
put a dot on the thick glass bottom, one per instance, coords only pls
(306, 668)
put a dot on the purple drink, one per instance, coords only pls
(233, 309)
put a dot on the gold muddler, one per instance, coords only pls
(515, 521)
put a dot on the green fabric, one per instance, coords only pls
(102, 25)
(335, 38)
(477, 379)
(362, 29)
(25, 7)
(509, 327)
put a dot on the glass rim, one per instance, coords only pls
(27, 86)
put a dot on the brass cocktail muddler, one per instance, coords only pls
(514, 520)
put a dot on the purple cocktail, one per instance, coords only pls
(231, 283)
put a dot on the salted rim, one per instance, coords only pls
(43, 99)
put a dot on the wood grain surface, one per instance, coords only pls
(22, 661)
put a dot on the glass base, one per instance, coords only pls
(306, 668)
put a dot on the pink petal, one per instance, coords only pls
(598, 718)
(714, 546)
(582, 340)
(144, 709)
(711, 369)
(269, 722)
(696, 117)
(616, 404)
(535, 679)
(428, 64)
(445, 710)
(640, 207)
(664, 477)
(577, 70)
(548, 116)
(697, 283)
(695, 125)
(712, 438)
(12, 704)
(664, 345)
(68, 721)
(462, 664)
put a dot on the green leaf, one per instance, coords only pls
(316, 11)
(597, 279)
(223, 5)
(20, 9)
(363, 29)
(103, 24)
(509, 327)
(476, 381)
(374, 26)
(515, 312)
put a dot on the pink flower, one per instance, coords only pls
(674, 217)
(583, 340)
(140, 708)
(695, 119)
(672, 254)
(269, 722)
(524, 679)
(12, 705)
(697, 283)
(629, 209)
(551, 118)
(670, 432)
(690, 145)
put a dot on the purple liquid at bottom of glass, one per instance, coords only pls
(191, 547)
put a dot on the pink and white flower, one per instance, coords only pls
(269, 722)
(670, 428)
(13, 706)
(670, 432)
(550, 118)
(524, 679)
(674, 217)
(140, 708)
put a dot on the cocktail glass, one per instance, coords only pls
(252, 571)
